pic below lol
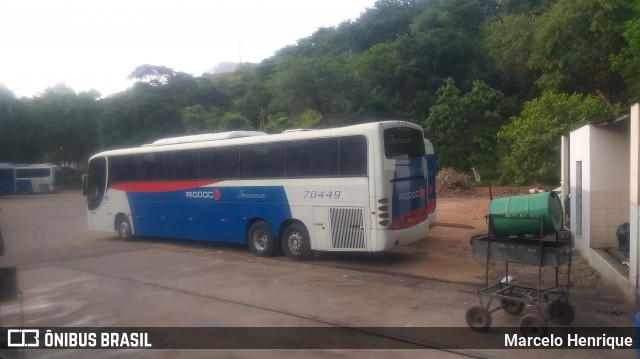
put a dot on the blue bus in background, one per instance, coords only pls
(30, 178)
(8, 181)
(38, 178)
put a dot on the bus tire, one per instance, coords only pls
(260, 239)
(123, 227)
(296, 242)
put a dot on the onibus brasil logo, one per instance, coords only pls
(33, 338)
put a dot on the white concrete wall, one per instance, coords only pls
(610, 157)
(634, 203)
(604, 152)
(609, 183)
(609, 201)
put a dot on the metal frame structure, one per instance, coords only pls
(539, 249)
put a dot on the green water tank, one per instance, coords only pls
(546, 204)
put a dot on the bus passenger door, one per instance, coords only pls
(320, 226)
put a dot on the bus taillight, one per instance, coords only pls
(383, 213)
(431, 205)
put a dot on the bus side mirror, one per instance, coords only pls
(85, 192)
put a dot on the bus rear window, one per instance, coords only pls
(403, 142)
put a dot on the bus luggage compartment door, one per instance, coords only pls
(320, 228)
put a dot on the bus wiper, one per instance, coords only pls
(400, 179)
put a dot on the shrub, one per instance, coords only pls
(448, 178)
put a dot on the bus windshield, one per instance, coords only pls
(96, 182)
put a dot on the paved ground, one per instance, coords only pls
(73, 277)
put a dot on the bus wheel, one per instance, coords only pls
(260, 239)
(123, 227)
(296, 242)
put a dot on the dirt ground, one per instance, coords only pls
(460, 216)
(446, 253)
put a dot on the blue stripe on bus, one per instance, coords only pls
(409, 205)
(207, 213)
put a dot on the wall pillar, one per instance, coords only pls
(634, 201)
(565, 175)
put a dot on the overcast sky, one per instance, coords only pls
(97, 44)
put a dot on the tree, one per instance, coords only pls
(325, 84)
(196, 119)
(532, 139)
(627, 62)
(443, 43)
(463, 127)
(80, 129)
(573, 44)
(254, 102)
(210, 95)
(133, 118)
(233, 121)
(511, 7)
(376, 70)
(152, 75)
(14, 136)
(277, 123)
(155, 106)
(66, 124)
(508, 42)
(383, 23)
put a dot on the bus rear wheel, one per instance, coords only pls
(296, 242)
(123, 227)
(260, 239)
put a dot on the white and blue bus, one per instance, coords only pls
(38, 178)
(355, 188)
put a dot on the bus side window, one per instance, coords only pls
(262, 161)
(313, 158)
(148, 166)
(120, 169)
(353, 156)
(219, 163)
(182, 165)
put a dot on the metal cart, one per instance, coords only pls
(551, 303)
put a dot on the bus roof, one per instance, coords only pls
(205, 137)
(36, 165)
(364, 129)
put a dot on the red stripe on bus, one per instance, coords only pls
(166, 186)
(411, 219)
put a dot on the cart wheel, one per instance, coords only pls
(478, 319)
(562, 312)
(512, 307)
(532, 325)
